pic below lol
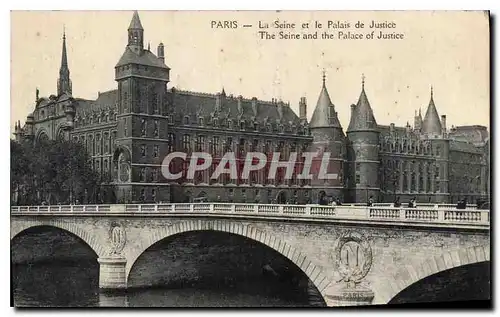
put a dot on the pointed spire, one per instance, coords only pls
(64, 82)
(64, 57)
(223, 91)
(431, 123)
(149, 46)
(324, 114)
(362, 117)
(136, 22)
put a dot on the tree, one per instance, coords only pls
(52, 171)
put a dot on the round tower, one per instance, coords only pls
(329, 145)
(363, 151)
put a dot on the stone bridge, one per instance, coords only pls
(353, 255)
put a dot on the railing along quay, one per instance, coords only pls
(435, 214)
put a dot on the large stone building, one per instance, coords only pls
(129, 131)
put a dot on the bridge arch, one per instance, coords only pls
(84, 235)
(410, 274)
(314, 272)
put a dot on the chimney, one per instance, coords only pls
(443, 123)
(303, 108)
(161, 52)
(240, 105)
(254, 106)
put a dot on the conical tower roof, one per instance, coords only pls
(136, 22)
(321, 115)
(431, 123)
(362, 117)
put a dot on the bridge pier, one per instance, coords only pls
(112, 273)
(349, 296)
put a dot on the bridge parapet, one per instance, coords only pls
(402, 216)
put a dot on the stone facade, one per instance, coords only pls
(128, 132)
(349, 263)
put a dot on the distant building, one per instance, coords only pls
(129, 131)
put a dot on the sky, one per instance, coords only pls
(448, 50)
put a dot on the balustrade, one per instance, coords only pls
(435, 214)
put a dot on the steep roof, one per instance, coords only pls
(321, 115)
(432, 123)
(192, 104)
(362, 117)
(135, 23)
(145, 57)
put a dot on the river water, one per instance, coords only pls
(53, 269)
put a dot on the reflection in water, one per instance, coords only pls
(53, 268)
(70, 285)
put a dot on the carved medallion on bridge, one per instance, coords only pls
(117, 238)
(352, 257)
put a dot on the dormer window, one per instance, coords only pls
(215, 122)
(282, 128)
(269, 128)
(186, 120)
(242, 125)
(201, 121)
(256, 126)
(170, 119)
(229, 124)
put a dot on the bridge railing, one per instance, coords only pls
(344, 212)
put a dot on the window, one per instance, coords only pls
(142, 174)
(358, 173)
(229, 124)
(215, 122)
(155, 151)
(186, 143)
(143, 195)
(156, 130)
(171, 142)
(153, 194)
(155, 174)
(125, 127)
(200, 141)
(256, 126)
(98, 144)
(186, 120)
(143, 127)
(125, 102)
(106, 143)
(170, 119)
(214, 146)
(143, 150)
(201, 121)
(255, 145)
(154, 101)
(229, 145)
(242, 125)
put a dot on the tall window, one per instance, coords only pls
(358, 173)
(155, 174)
(106, 143)
(98, 144)
(156, 129)
(200, 141)
(125, 102)
(143, 127)
(143, 150)
(186, 143)
(214, 146)
(142, 174)
(154, 101)
(171, 142)
(155, 150)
